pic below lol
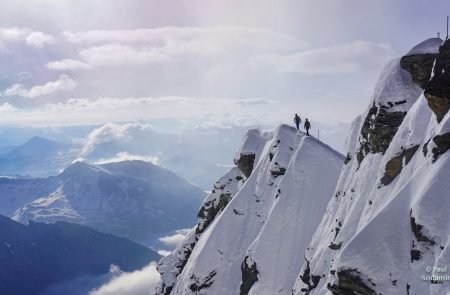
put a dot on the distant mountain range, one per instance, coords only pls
(34, 257)
(37, 157)
(134, 199)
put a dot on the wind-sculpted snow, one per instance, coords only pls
(273, 213)
(429, 46)
(387, 238)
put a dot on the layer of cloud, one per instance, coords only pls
(32, 38)
(242, 49)
(139, 282)
(346, 58)
(67, 64)
(7, 107)
(125, 156)
(39, 39)
(62, 85)
(111, 132)
(170, 44)
(164, 252)
(120, 55)
(173, 240)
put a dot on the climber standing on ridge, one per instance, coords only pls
(297, 121)
(307, 126)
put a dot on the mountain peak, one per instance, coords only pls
(428, 46)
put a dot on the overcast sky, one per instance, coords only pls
(222, 61)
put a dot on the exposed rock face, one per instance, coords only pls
(350, 283)
(309, 279)
(437, 90)
(202, 283)
(378, 130)
(209, 211)
(419, 66)
(249, 275)
(442, 145)
(245, 163)
(417, 230)
(395, 165)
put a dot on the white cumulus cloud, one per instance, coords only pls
(175, 239)
(63, 84)
(140, 282)
(32, 38)
(39, 39)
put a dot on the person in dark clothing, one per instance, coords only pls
(297, 121)
(307, 126)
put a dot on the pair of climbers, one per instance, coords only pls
(298, 120)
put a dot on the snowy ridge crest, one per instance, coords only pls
(234, 253)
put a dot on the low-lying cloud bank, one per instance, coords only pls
(140, 282)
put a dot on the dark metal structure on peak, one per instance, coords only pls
(446, 38)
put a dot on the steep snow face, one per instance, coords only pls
(134, 199)
(388, 221)
(398, 88)
(223, 192)
(253, 246)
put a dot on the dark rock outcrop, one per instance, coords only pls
(334, 246)
(442, 145)
(417, 230)
(245, 163)
(419, 66)
(437, 90)
(395, 165)
(249, 275)
(309, 279)
(350, 283)
(209, 211)
(202, 283)
(378, 130)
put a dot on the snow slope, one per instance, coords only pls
(296, 223)
(134, 199)
(272, 213)
(388, 221)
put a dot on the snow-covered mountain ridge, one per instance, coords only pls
(289, 219)
(280, 186)
(134, 199)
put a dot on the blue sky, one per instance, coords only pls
(219, 62)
